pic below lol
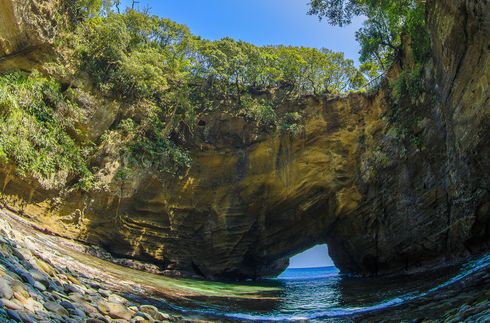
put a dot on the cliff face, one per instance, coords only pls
(387, 191)
(27, 28)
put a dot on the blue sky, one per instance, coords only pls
(314, 257)
(261, 22)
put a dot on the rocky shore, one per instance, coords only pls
(35, 289)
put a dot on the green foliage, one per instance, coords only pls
(260, 111)
(146, 61)
(164, 78)
(408, 86)
(380, 36)
(291, 123)
(32, 135)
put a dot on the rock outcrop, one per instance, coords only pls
(27, 29)
(388, 191)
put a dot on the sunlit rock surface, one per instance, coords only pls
(384, 201)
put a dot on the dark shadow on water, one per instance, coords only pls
(319, 293)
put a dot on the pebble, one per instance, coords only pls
(18, 296)
(103, 307)
(77, 312)
(94, 321)
(67, 305)
(104, 292)
(33, 305)
(56, 308)
(144, 316)
(150, 310)
(14, 315)
(118, 311)
(5, 289)
(26, 318)
(26, 277)
(87, 308)
(10, 304)
(19, 288)
(39, 286)
(69, 288)
(45, 267)
(117, 299)
(38, 276)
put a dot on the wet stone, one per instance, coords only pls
(14, 315)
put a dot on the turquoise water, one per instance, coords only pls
(322, 294)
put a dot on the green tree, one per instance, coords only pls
(380, 36)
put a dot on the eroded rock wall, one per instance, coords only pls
(384, 201)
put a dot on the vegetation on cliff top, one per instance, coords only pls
(37, 126)
(163, 79)
(381, 35)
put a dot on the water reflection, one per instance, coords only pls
(321, 294)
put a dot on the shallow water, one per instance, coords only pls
(322, 294)
(314, 294)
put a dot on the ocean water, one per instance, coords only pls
(322, 294)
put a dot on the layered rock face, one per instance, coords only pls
(384, 201)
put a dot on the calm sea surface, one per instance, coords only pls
(322, 294)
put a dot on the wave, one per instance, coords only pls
(466, 271)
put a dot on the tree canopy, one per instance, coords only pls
(380, 36)
(166, 79)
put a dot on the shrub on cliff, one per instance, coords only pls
(34, 132)
(380, 36)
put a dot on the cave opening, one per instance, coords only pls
(314, 258)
